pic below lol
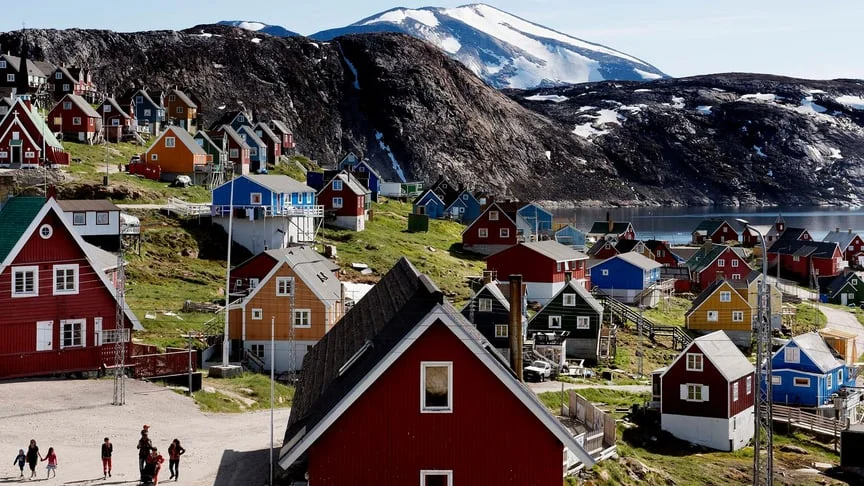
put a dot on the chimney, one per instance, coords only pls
(850, 231)
(837, 229)
(707, 245)
(487, 277)
(515, 326)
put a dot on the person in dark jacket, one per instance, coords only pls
(175, 450)
(107, 452)
(144, 448)
(33, 457)
(20, 460)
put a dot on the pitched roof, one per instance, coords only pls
(233, 135)
(555, 251)
(818, 249)
(115, 106)
(817, 350)
(583, 294)
(313, 268)
(725, 356)
(368, 339)
(709, 226)
(38, 122)
(842, 238)
(227, 117)
(280, 125)
(495, 291)
(252, 136)
(32, 68)
(101, 259)
(839, 282)
(183, 137)
(424, 194)
(352, 183)
(184, 98)
(602, 227)
(266, 132)
(15, 218)
(281, 184)
(703, 258)
(207, 140)
(82, 105)
(87, 205)
(625, 246)
(792, 233)
(638, 260)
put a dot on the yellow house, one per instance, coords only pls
(721, 307)
(303, 298)
(749, 289)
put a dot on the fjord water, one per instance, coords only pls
(675, 224)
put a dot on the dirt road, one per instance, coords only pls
(844, 321)
(73, 416)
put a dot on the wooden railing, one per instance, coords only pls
(680, 338)
(795, 417)
(185, 209)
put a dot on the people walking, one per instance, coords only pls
(154, 464)
(107, 451)
(175, 450)
(33, 457)
(145, 445)
(51, 457)
(20, 460)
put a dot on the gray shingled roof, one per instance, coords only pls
(185, 138)
(233, 135)
(725, 356)
(115, 106)
(638, 260)
(82, 105)
(281, 184)
(184, 98)
(252, 138)
(266, 132)
(815, 348)
(352, 183)
(555, 251)
(87, 205)
(280, 125)
(842, 238)
(495, 291)
(313, 268)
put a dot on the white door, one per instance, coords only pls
(44, 336)
(97, 329)
(843, 299)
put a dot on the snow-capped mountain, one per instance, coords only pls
(276, 30)
(505, 50)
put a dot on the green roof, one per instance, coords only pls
(709, 226)
(702, 259)
(15, 218)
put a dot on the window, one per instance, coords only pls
(337, 185)
(493, 215)
(436, 387)
(583, 322)
(67, 105)
(302, 318)
(102, 217)
(169, 142)
(257, 350)
(139, 99)
(436, 478)
(801, 381)
(154, 156)
(724, 229)
(713, 316)
(484, 305)
(464, 197)
(58, 75)
(735, 391)
(253, 282)
(569, 300)
(737, 316)
(65, 279)
(605, 272)
(725, 296)
(337, 202)
(257, 314)
(829, 379)
(796, 259)
(792, 354)
(79, 219)
(107, 109)
(253, 151)
(3, 64)
(554, 322)
(146, 112)
(179, 109)
(172, 97)
(504, 232)
(694, 393)
(840, 376)
(501, 331)
(72, 333)
(734, 263)
(66, 89)
(776, 380)
(482, 233)
(241, 118)
(233, 153)
(736, 276)
(25, 281)
(255, 198)
(115, 122)
(694, 362)
(749, 385)
(284, 286)
(721, 263)
(10, 77)
(76, 120)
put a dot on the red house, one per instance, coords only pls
(851, 244)
(663, 253)
(273, 141)
(23, 134)
(712, 261)
(345, 202)
(803, 260)
(281, 129)
(75, 118)
(717, 230)
(706, 395)
(118, 119)
(58, 303)
(493, 231)
(403, 388)
(545, 266)
(239, 152)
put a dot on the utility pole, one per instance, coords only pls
(639, 328)
(272, 388)
(121, 334)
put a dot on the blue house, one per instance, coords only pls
(628, 277)
(269, 211)
(348, 161)
(429, 203)
(806, 372)
(464, 208)
(149, 108)
(257, 149)
(571, 236)
(372, 180)
(537, 218)
(235, 119)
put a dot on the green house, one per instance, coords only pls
(576, 315)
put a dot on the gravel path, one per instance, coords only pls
(73, 416)
(844, 321)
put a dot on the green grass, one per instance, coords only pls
(808, 318)
(292, 168)
(671, 313)
(253, 388)
(436, 253)
(612, 398)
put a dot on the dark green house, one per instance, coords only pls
(845, 289)
(489, 311)
(577, 313)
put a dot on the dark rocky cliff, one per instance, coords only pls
(410, 104)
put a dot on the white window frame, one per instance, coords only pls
(154, 156)
(233, 153)
(569, 300)
(484, 305)
(338, 202)
(792, 355)
(106, 108)
(502, 330)
(801, 381)
(749, 385)
(76, 120)
(301, 313)
(725, 296)
(25, 269)
(257, 314)
(493, 215)
(504, 233)
(436, 364)
(696, 391)
(75, 218)
(66, 88)
(829, 381)
(554, 322)
(436, 472)
(736, 276)
(712, 316)
(604, 272)
(3, 64)
(734, 263)
(737, 316)
(698, 362)
(337, 185)
(82, 343)
(146, 112)
(776, 380)
(10, 78)
(170, 142)
(721, 263)
(279, 283)
(64, 268)
(583, 322)
(735, 391)
(46, 231)
(482, 233)
(255, 198)
(253, 282)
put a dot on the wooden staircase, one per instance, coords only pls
(615, 307)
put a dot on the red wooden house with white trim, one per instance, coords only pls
(713, 261)
(404, 390)
(22, 136)
(802, 260)
(493, 231)
(851, 244)
(75, 118)
(717, 230)
(545, 266)
(707, 394)
(662, 253)
(345, 202)
(59, 305)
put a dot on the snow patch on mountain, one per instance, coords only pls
(398, 16)
(854, 102)
(260, 27)
(553, 98)
(395, 163)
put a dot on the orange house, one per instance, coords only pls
(720, 307)
(177, 153)
(304, 296)
(181, 110)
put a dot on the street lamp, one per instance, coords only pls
(762, 472)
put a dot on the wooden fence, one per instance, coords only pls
(185, 209)
(801, 419)
(600, 425)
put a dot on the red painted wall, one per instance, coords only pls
(533, 266)
(801, 269)
(720, 237)
(666, 257)
(857, 246)
(489, 439)
(470, 236)
(88, 124)
(709, 273)
(256, 267)
(744, 401)
(352, 204)
(718, 388)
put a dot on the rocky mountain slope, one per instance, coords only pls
(413, 111)
(261, 27)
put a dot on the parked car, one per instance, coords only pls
(539, 370)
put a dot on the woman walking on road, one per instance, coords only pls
(107, 451)
(33, 457)
(175, 450)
